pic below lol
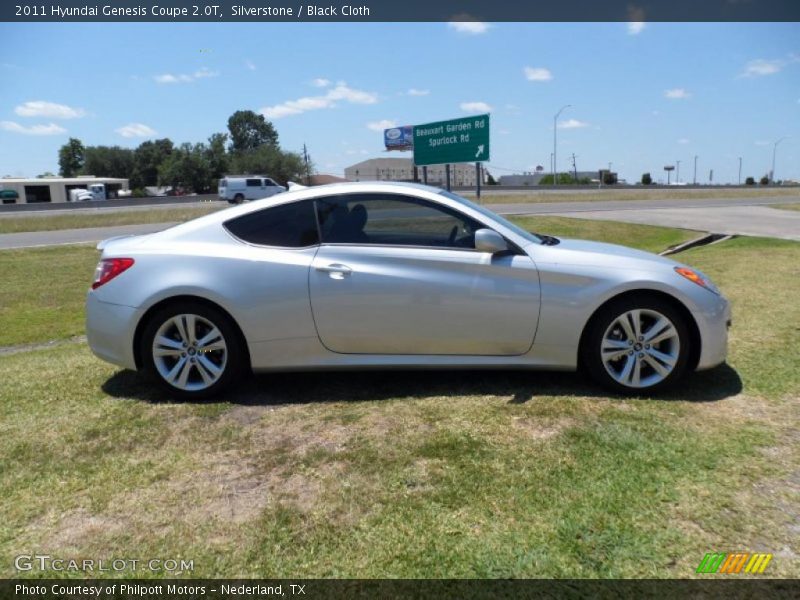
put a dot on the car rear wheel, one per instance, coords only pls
(637, 346)
(192, 350)
(238, 198)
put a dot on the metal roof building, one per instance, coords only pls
(56, 189)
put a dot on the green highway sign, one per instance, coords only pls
(456, 141)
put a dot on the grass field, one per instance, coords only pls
(81, 219)
(632, 194)
(436, 474)
(787, 206)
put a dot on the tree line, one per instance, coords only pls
(250, 146)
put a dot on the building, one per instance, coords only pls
(402, 169)
(56, 189)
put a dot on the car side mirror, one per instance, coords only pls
(490, 241)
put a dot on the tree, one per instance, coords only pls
(563, 179)
(250, 131)
(749, 181)
(646, 179)
(268, 160)
(490, 180)
(71, 157)
(46, 174)
(147, 159)
(109, 161)
(609, 178)
(186, 167)
(764, 180)
(217, 157)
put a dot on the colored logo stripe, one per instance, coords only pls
(721, 562)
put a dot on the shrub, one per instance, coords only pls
(646, 179)
(750, 181)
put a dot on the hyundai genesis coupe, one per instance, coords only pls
(389, 275)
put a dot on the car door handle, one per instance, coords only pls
(336, 270)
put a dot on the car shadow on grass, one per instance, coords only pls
(362, 386)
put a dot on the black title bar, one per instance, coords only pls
(217, 11)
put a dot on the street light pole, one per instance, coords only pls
(678, 172)
(555, 131)
(694, 178)
(740, 170)
(774, 150)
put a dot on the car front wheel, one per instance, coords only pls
(637, 346)
(192, 351)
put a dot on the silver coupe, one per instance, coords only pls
(388, 275)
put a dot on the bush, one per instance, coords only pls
(139, 193)
(764, 180)
(563, 179)
(749, 181)
(646, 179)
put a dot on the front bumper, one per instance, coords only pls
(713, 325)
(110, 329)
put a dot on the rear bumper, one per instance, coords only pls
(713, 325)
(110, 329)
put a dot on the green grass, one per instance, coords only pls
(548, 194)
(432, 474)
(43, 292)
(786, 206)
(82, 219)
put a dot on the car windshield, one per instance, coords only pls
(531, 237)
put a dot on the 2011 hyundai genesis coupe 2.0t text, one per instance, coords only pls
(387, 275)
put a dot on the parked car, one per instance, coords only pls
(238, 188)
(388, 275)
(9, 196)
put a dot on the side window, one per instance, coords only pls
(253, 182)
(393, 220)
(292, 225)
(269, 182)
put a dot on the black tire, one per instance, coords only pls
(234, 364)
(591, 350)
(238, 198)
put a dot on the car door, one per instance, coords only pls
(255, 189)
(399, 275)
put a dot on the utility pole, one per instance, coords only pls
(694, 178)
(555, 132)
(740, 170)
(307, 160)
(774, 150)
(678, 172)
(574, 169)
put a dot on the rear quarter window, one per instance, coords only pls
(292, 225)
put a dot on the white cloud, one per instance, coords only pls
(537, 74)
(683, 141)
(51, 129)
(636, 27)
(760, 67)
(677, 94)
(183, 78)
(321, 82)
(476, 107)
(40, 108)
(136, 130)
(468, 25)
(416, 92)
(340, 92)
(381, 125)
(572, 124)
(203, 73)
(251, 66)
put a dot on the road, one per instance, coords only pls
(741, 216)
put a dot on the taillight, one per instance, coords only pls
(108, 268)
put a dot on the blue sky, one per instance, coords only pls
(642, 97)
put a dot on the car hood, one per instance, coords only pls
(586, 253)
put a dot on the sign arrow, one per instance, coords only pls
(480, 151)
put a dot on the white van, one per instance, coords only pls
(238, 188)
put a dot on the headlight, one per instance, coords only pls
(698, 278)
